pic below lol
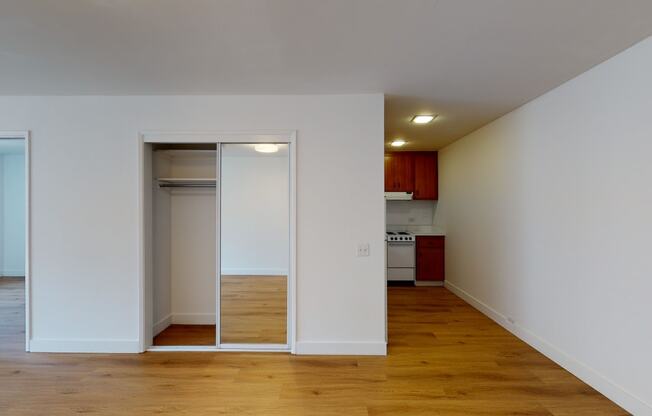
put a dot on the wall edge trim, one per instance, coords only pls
(341, 348)
(84, 345)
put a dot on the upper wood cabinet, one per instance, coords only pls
(425, 175)
(399, 172)
(412, 172)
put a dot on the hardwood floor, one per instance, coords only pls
(186, 335)
(445, 358)
(254, 311)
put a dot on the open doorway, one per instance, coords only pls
(13, 241)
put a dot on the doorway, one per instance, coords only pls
(218, 242)
(14, 242)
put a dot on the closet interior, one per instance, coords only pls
(199, 207)
(184, 244)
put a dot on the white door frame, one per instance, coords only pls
(25, 136)
(219, 137)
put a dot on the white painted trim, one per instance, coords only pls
(254, 272)
(161, 325)
(245, 136)
(202, 348)
(218, 245)
(590, 376)
(429, 283)
(292, 272)
(341, 348)
(141, 243)
(85, 345)
(182, 318)
(26, 136)
(255, 347)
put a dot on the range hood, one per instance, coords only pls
(398, 196)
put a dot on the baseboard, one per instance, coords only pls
(193, 318)
(428, 283)
(340, 348)
(611, 390)
(84, 345)
(254, 272)
(162, 324)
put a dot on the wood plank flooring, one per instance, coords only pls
(445, 358)
(254, 311)
(186, 335)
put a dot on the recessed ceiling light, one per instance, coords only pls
(422, 119)
(266, 148)
(398, 143)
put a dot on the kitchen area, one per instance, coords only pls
(414, 242)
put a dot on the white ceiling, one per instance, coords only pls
(469, 61)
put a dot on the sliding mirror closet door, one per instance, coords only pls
(254, 243)
(184, 236)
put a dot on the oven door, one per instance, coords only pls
(400, 254)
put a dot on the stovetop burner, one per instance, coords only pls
(399, 236)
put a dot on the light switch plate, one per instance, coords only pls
(363, 250)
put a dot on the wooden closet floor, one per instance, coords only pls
(254, 311)
(186, 335)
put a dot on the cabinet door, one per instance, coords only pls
(425, 175)
(430, 258)
(390, 181)
(399, 172)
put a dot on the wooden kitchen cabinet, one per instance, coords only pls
(430, 258)
(399, 172)
(425, 175)
(412, 172)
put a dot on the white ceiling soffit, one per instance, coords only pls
(470, 61)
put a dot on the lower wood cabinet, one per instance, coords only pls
(430, 258)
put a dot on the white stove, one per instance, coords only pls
(400, 256)
(399, 236)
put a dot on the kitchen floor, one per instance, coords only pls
(445, 358)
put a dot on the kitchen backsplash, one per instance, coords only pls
(410, 212)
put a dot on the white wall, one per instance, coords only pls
(548, 214)
(193, 241)
(410, 212)
(255, 214)
(12, 223)
(160, 244)
(85, 211)
(193, 256)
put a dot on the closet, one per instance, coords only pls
(184, 244)
(217, 245)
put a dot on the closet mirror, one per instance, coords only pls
(254, 243)
(184, 239)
